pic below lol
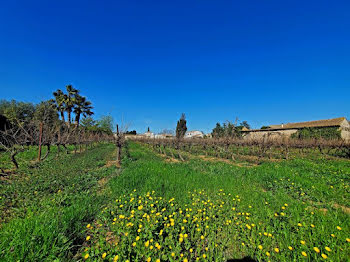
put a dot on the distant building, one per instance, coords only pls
(163, 136)
(149, 134)
(194, 134)
(286, 130)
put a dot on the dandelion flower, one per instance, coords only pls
(304, 254)
(172, 254)
(260, 247)
(317, 250)
(277, 250)
(348, 240)
(324, 256)
(86, 256)
(104, 255)
(116, 258)
(290, 248)
(268, 254)
(302, 242)
(88, 238)
(338, 227)
(328, 249)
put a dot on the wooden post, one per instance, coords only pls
(40, 140)
(118, 146)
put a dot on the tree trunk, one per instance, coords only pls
(47, 152)
(13, 158)
(69, 117)
(62, 116)
(77, 119)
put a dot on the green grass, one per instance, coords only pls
(45, 209)
(314, 190)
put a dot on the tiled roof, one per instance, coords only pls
(317, 123)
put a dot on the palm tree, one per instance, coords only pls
(60, 100)
(70, 101)
(82, 107)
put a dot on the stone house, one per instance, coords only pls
(194, 134)
(286, 130)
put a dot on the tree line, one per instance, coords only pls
(63, 120)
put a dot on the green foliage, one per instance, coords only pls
(46, 112)
(284, 200)
(265, 127)
(43, 210)
(133, 132)
(105, 124)
(17, 111)
(72, 102)
(88, 122)
(245, 124)
(314, 132)
(229, 129)
(181, 127)
(81, 107)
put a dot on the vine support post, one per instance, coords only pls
(119, 146)
(40, 140)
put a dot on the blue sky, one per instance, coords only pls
(146, 62)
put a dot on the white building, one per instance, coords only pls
(149, 134)
(194, 134)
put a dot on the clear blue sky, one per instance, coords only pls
(146, 62)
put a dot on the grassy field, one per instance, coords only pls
(44, 207)
(160, 209)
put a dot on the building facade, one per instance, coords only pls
(286, 130)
